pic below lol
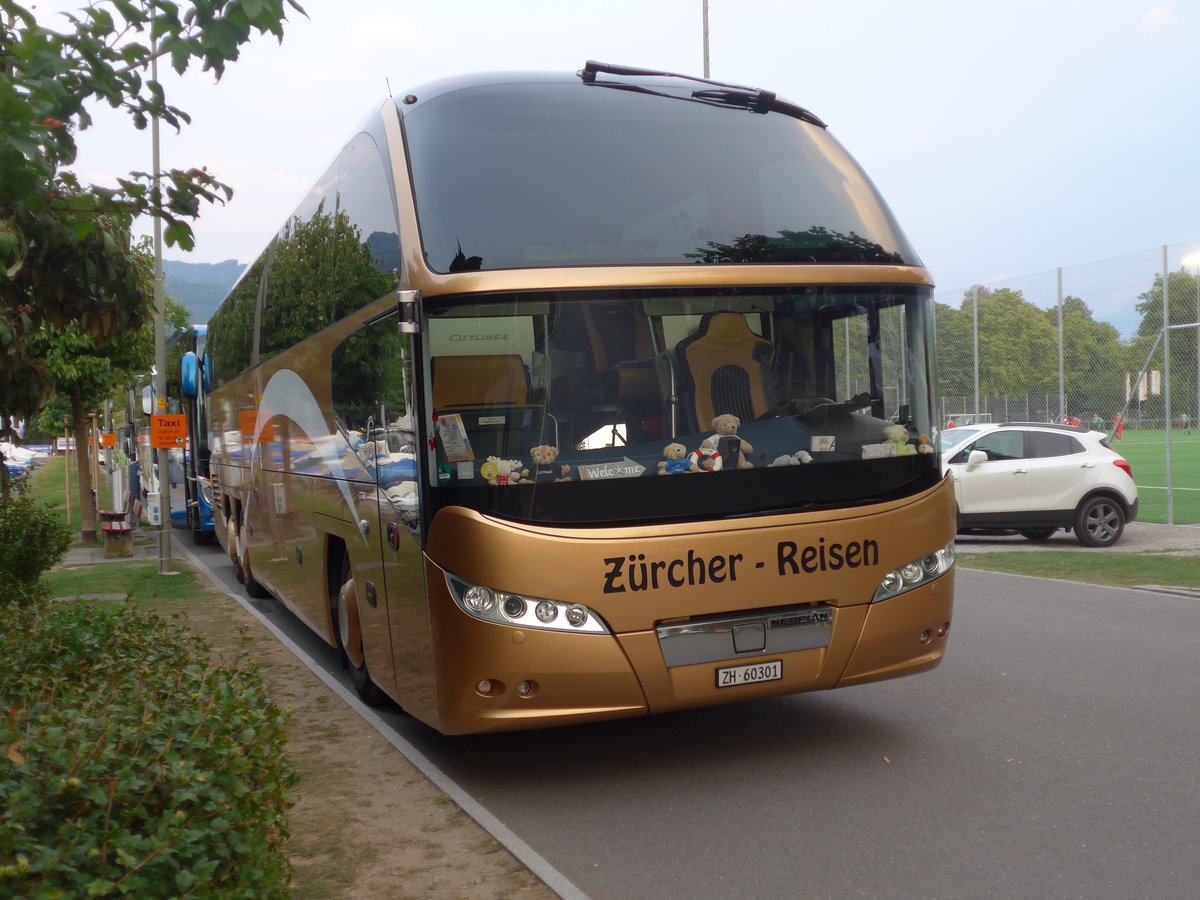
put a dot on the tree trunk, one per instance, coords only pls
(5, 487)
(87, 501)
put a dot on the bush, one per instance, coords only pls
(130, 765)
(31, 541)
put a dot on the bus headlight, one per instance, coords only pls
(514, 607)
(477, 599)
(504, 608)
(205, 487)
(916, 573)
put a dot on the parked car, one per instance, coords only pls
(1036, 478)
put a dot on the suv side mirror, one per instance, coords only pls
(975, 458)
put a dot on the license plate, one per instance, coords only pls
(751, 674)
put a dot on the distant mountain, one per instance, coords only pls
(200, 286)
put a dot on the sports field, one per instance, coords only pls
(1146, 451)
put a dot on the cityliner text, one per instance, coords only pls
(637, 573)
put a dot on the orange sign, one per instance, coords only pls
(168, 431)
(108, 439)
(247, 419)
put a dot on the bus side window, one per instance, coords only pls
(372, 391)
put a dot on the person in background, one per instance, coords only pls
(950, 424)
(1097, 422)
(1119, 426)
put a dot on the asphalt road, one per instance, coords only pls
(1053, 754)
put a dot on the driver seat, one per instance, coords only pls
(729, 369)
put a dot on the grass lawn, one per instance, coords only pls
(49, 486)
(1146, 450)
(1111, 569)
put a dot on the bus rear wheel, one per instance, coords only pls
(349, 634)
(254, 590)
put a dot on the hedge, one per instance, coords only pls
(131, 765)
(32, 540)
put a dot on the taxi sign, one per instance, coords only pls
(248, 420)
(168, 431)
(108, 439)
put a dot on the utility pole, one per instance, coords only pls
(705, 2)
(160, 351)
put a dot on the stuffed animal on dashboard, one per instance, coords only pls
(924, 444)
(543, 466)
(734, 451)
(707, 459)
(675, 461)
(799, 458)
(499, 471)
(898, 435)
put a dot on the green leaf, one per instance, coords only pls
(179, 234)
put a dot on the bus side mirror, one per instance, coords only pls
(148, 400)
(189, 375)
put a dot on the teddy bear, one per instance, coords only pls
(501, 471)
(924, 444)
(706, 458)
(734, 451)
(543, 466)
(898, 435)
(676, 461)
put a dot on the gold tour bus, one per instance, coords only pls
(563, 398)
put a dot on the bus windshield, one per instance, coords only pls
(575, 407)
(603, 176)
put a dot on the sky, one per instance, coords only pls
(1008, 138)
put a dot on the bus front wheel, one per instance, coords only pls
(349, 633)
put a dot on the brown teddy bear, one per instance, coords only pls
(924, 444)
(675, 461)
(543, 466)
(734, 451)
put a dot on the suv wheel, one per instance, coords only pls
(1099, 522)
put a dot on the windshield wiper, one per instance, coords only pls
(728, 95)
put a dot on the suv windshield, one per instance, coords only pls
(543, 173)
(582, 407)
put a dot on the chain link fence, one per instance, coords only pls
(1112, 344)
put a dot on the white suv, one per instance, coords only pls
(1035, 479)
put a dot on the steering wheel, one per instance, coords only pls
(797, 406)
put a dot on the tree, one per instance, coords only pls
(84, 379)
(60, 257)
(1094, 359)
(1183, 298)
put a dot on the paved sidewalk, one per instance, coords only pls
(145, 547)
(1139, 537)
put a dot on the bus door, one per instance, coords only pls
(372, 395)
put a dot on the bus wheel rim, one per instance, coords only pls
(349, 632)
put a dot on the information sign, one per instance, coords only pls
(168, 431)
